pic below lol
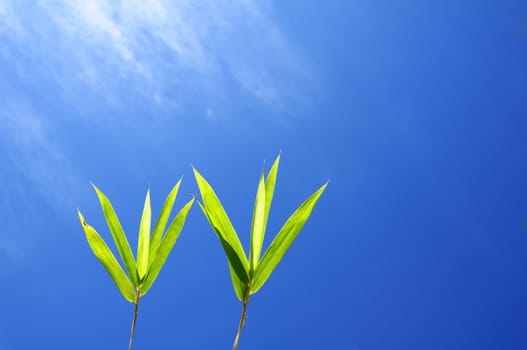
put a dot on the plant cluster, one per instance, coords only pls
(248, 275)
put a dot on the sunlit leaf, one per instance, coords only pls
(240, 287)
(221, 224)
(270, 183)
(283, 240)
(257, 229)
(162, 222)
(107, 259)
(237, 264)
(166, 246)
(118, 236)
(143, 244)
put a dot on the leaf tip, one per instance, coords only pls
(81, 218)
(197, 176)
(278, 156)
(97, 190)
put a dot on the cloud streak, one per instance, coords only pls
(102, 44)
(31, 156)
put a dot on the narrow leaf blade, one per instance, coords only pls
(284, 239)
(166, 246)
(236, 264)
(107, 259)
(118, 235)
(270, 183)
(237, 283)
(162, 222)
(257, 229)
(222, 225)
(143, 244)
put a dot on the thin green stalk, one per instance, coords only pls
(136, 308)
(243, 317)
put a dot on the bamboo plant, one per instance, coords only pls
(152, 250)
(249, 275)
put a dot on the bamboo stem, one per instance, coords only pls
(243, 317)
(136, 308)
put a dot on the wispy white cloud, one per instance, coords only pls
(159, 46)
(31, 155)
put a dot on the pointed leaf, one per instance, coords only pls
(284, 239)
(222, 226)
(143, 244)
(162, 222)
(269, 192)
(257, 229)
(107, 259)
(237, 264)
(270, 183)
(166, 246)
(118, 235)
(237, 283)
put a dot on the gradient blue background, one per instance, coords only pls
(414, 110)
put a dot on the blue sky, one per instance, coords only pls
(415, 111)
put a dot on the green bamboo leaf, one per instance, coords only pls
(257, 229)
(118, 236)
(223, 227)
(284, 239)
(240, 287)
(162, 222)
(237, 264)
(269, 189)
(166, 246)
(256, 245)
(143, 244)
(107, 259)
